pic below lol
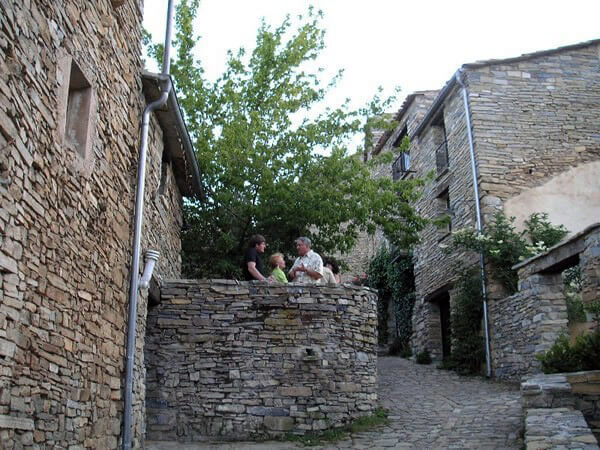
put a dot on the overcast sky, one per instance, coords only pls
(415, 44)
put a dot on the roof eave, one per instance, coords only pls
(185, 164)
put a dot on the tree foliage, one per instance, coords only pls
(256, 135)
(503, 247)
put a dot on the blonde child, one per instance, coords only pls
(278, 263)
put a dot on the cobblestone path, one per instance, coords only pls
(429, 409)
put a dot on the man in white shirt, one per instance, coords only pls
(308, 267)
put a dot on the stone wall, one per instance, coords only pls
(549, 103)
(525, 324)
(65, 219)
(253, 360)
(435, 270)
(590, 264)
(529, 322)
(556, 405)
(533, 118)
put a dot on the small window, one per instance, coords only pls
(440, 142)
(164, 174)
(445, 211)
(80, 111)
(401, 165)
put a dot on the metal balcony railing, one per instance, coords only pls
(401, 166)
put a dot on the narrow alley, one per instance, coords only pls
(428, 409)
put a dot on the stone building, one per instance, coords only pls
(534, 123)
(72, 92)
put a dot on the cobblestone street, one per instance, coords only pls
(429, 409)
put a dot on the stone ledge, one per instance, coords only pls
(547, 428)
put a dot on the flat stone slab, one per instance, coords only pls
(557, 428)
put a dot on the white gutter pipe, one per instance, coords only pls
(138, 219)
(484, 290)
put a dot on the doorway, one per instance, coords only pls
(443, 302)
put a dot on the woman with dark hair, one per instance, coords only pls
(330, 265)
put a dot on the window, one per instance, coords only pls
(440, 142)
(401, 165)
(445, 211)
(80, 111)
(164, 173)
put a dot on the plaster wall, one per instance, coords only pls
(571, 199)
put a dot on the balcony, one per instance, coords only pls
(401, 166)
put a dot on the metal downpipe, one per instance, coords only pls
(484, 290)
(138, 220)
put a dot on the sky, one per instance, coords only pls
(417, 45)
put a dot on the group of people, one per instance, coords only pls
(309, 267)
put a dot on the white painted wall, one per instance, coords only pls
(571, 199)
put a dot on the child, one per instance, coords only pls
(277, 263)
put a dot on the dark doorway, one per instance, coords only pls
(444, 304)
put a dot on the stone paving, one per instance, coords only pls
(428, 409)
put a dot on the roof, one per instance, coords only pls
(490, 62)
(176, 137)
(403, 108)
(526, 56)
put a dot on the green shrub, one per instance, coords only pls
(575, 309)
(542, 232)
(468, 351)
(594, 309)
(573, 284)
(424, 357)
(400, 348)
(562, 357)
(587, 347)
(503, 247)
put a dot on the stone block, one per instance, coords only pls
(296, 391)
(279, 423)
(264, 411)
(231, 408)
(16, 423)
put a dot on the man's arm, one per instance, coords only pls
(254, 271)
(314, 268)
(294, 270)
(313, 274)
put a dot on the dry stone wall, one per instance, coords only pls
(65, 221)
(526, 324)
(254, 360)
(529, 322)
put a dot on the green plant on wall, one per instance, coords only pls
(563, 357)
(468, 352)
(573, 284)
(393, 278)
(503, 247)
(594, 309)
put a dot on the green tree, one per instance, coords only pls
(256, 140)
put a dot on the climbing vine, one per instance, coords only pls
(393, 277)
(468, 352)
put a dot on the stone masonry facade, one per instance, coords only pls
(241, 360)
(529, 322)
(67, 182)
(533, 118)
